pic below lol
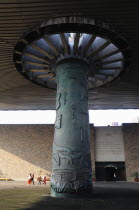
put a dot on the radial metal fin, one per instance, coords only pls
(51, 45)
(36, 57)
(76, 42)
(88, 45)
(64, 43)
(41, 51)
(108, 55)
(36, 64)
(113, 61)
(102, 47)
(39, 70)
(44, 75)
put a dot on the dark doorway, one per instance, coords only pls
(110, 173)
(116, 171)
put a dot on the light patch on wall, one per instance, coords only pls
(13, 167)
(27, 117)
(97, 117)
(113, 117)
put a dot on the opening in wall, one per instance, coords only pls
(110, 171)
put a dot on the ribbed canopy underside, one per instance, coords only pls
(18, 16)
(40, 57)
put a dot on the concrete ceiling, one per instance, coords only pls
(18, 16)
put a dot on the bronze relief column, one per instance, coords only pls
(71, 161)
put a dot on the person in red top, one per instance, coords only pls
(44, 180)
(30, 179)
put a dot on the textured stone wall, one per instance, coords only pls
(109, 144)
(27, 149)
(131, 144)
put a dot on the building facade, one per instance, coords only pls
(27, 149)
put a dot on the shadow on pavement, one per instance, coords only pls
(106, 196)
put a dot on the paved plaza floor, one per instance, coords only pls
(106, 196)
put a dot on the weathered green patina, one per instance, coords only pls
(71, 163)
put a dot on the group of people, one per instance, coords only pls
(39, 179)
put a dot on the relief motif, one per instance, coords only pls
(86, 161)
(62, 177)
(81, 133)
(66, 177)
(73, 108)
(84, 96)
(65, 98)
(58, 121)
(84, 175)
(58, 104)
(84, 110)
(65, 153)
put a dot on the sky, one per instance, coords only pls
(97, 117)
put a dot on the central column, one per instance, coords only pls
(71, 159)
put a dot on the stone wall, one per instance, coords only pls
(131, 144)
(109, 144)
(27, 149)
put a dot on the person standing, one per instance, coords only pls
(114, 176)
(30, 179)
(39, 179)
(33, 179)
(44, 180)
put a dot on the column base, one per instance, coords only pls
(72, 195)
